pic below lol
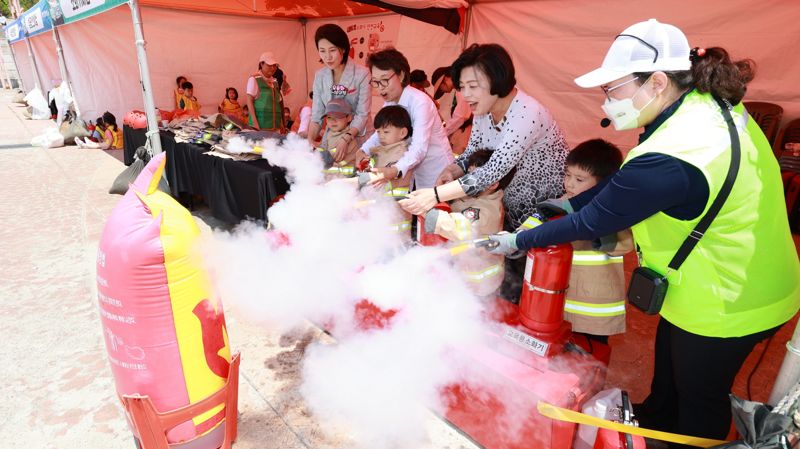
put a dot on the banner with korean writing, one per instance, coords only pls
(14, 31)
(68, 11)
(36, 19)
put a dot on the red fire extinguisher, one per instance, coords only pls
(541, 305)
(426, 239)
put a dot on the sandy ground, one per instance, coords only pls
(57, 386)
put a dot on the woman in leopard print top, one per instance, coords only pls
(519, 130)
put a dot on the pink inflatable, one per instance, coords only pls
(164, 331)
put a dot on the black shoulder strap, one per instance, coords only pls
(698, 231)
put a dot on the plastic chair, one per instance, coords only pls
(789, 134)
(767, 115)
(152, 426)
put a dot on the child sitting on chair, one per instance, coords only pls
(339, 145)
(230, 106)
(178, 93)
(473, 218)
(188, 102)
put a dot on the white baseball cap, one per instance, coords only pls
(268, 57)
(644, 47)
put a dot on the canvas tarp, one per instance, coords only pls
(551, 41)
(554, 41)
(101, 58)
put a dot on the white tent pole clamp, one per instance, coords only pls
(37, 81)
(62, 67)
(789, 374)
(144, 76)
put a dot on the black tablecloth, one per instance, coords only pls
(233, 190)
(131, 140)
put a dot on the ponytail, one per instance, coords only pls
(713, 71)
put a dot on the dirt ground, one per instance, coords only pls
(57, 385)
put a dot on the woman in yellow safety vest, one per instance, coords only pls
(741, 281)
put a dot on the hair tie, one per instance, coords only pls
(696, 53)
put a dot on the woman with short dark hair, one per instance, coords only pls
(339, 78)
(429, 151)
(519, 130)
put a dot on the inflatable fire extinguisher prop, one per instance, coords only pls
(164, 330)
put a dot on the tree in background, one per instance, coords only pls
(5, 6)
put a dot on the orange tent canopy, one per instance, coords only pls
(288, 9)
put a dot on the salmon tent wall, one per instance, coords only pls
(551, 41)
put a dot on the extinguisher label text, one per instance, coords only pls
(524, 340)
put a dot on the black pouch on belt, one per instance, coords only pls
(647, 290)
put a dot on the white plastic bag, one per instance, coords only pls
(39, 108)
(51, 138)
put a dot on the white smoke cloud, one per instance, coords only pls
(328, 249)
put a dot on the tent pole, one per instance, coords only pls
(789, 373)
(144, 75)
(467, 23)
(5, 81)
(37, 81)
(20, 83)
(62, 67)
(304, 23)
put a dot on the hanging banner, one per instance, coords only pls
(68, 11)
(14, 32)
(37, 20)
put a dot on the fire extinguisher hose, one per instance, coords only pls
(562, 414)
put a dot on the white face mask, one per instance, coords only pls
(622, 113)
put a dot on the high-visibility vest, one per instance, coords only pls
(743, 276)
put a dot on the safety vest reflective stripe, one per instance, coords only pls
(531, 223)
(594, 258)
(344, 170)
(399, 191)
(401, 227)
(589, 309)
(481, 275)
(463, 226)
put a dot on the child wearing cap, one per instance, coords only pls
(473, 218)
(596, 296)
(338, 115)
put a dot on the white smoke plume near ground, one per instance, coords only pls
(376, 383)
